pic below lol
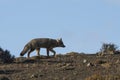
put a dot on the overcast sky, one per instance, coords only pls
(83, 24)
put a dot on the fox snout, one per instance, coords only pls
(63, 46)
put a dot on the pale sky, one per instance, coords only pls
(83, 24)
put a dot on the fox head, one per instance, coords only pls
(21, 54)
(60, 43)
(26, 48)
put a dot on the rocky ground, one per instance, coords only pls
(71, 66)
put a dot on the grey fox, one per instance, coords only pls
(36, 44)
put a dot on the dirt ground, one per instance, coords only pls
(71, 66)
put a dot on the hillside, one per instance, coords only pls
(71, 66)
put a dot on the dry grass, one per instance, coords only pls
(105, 77)
(63, 67)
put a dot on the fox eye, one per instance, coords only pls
(61, 42)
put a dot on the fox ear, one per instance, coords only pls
(59, 39)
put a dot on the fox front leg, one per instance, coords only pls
(53, 52)
(38, 51)
(31, 50)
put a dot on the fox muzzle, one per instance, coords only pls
(21, 54)
(63, 46)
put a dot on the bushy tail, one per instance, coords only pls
(25, 50)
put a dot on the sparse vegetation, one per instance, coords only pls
(108, 48)
(5, 56)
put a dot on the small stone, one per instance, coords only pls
(89, 64)
(84, 61)
(34, 76)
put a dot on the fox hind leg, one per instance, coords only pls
(47, 52)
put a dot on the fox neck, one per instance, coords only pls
(57, 43)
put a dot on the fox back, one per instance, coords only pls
(46, 43)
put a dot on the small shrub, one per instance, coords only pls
(5, 56)
(108, 48)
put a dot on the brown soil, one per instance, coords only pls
(71, 66)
